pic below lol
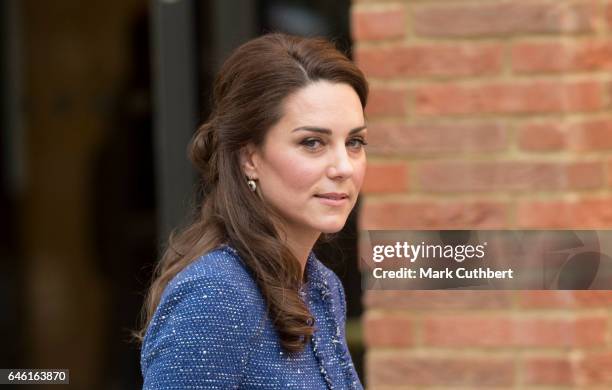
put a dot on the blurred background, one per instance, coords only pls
(483, 114)
(99, 101)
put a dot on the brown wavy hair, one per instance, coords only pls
(248, 97)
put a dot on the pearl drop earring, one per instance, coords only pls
(252, 184)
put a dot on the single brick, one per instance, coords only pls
(386, 178)
(504, 18)
(388, 331)
(427, 138)
(386, 101)
(532, 97)
(406, 370)
(430, 60)
(542, 136)
(433, 214)
(373, 24)
(590, 55)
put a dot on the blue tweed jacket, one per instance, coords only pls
(211, 331)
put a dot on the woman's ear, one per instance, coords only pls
(248, 161)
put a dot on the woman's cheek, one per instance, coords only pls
(299, 171)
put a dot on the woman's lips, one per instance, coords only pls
(332, 199)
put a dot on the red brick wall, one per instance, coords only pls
(487, 114)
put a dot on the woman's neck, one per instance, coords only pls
(301, 245)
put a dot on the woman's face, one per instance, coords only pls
(311, 165)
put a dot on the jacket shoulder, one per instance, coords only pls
(216, 281)
(219, 264)
(210, 311)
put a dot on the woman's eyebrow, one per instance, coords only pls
(323, 130)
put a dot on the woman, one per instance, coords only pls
(239, 300)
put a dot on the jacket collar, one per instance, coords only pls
(317, 274)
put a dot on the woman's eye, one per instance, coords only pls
(357, 143)
(311, 143)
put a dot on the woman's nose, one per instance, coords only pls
(341, 165)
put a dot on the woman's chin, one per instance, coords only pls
(332, 227)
